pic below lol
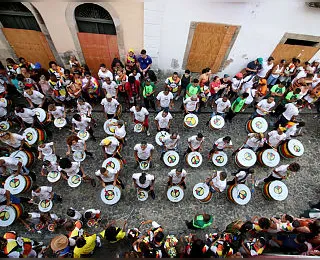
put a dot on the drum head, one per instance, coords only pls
(191, 120)
(110, 194)
(108, 127)
(21, 156)
(31, 135)
(171, 158)
(201, 191)
(83, 135)
(41, 114)
(16, 184)
(144, 165)
(112, 163)
(246, 157)
(217, 122)
(4, 126)
(295, 147)
(138, 128)
(194, 159)
(45, 205)
(159, 136)
(51, 227)
(7, 215)
(142, 195)
(175, 193)
(278, 190)
(74, 181)
(52, 158)
(220, 159)
(241, 194)
(60, 122)
(53, 176)
(259, 125)
(270, 158)
(79, 156)
(3, 100)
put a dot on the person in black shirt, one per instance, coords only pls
(254, 66)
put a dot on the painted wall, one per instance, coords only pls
(262, 27)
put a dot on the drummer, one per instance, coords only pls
(3, 109)
(74, 143)
(144, 181)
(48, 166)
(220, 145)
(163, 120)
(46, 149)
(218, 182)
(140, 115)
(111, 148)
(13, 165)
(280, 173)
(34, 98)
(254, 141)
(83, 107)
(177, 177)
(195, 143)
(241, 176)
(25, 116)
(264, 107)
(294, 129)
(6, 198)
(56, 112)
(120, 131)
(275, 137)
(109, 176)
(44, 193)
(170, 143)
(14, 140)
(111, 106)
(221, 106)
(83, 124)
(191, 104)
(143, 152)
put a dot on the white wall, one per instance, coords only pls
(262, 27)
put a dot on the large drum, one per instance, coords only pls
(9, 214)
(144, 165)
(275, 190)
(217, 122)
(112, 163)
(18, 184)
(245, 158)
(159, 136)
(142, 195)
(110, 194)
(60, 122)
(79, 156)
(191, 120)
(175, 193)
(83, 135)
(239, 194)
(257, 125)
(291, 149)
(220, 159)
(5, 125)
(42, 115)
(26, 157)
(201, 192)
(138, 128)
(45, 205)
(268, 157)
(171, 158)
(109, 126)
(53, 176)
(4, 101)
(74, 181)
(34, 135)
(194, 159)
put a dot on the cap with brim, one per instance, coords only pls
(37, 66)
(131, 50)
(260, 60)
(59, 243)
(148, 80)
(239, 75)
(226, 76)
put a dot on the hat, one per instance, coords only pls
(263, 82)
(59, 242)
(37, 66)
(105, 142)
(260, 60)
(108, 95)
(239, 75)
(226, 76)
(131, 50)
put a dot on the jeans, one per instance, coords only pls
(271, 80)
(254, 114)
(218, 114)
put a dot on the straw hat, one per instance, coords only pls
(59, 242)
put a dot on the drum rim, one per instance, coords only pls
(19, 152)
(56, 179)
(35, 132)
(249, 195)
(41, 109)
(243, 151)
(301, 147)
(192, 115)
(277, 158)
(104, 164)
(135, 128)
(8, 208)
(219, 127)
(115, 190)
(286, 190)
(13, 190)
(264, 122)
(106, 129)
(160, 134)
(146, 193)
(181, 193)
(71, 184)
(56, 120)
(144, 169)
(198, 185)
(78, 160)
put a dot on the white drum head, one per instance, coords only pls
(41, 114)
(217, 122)
(21, 156)
(194, 159)
(201, 191)
(53, 176)
(246, 157)
(31, 135)
(295, 147)
(220, 159)
(259, 125)
(4, 126)
(3, 100)
(142, 195)
(108, 127)
(45, 205)
(270, 158)
(144, 165)
(138, 128)
(79, 156)
(175, 193)
(60, 122)
(83, 135)
(74, 181)
(110, 194)
(15, 184)
(191, 120)
(241, 194)
(7, 215)
(171, 158)
(278, 190)
(159, 136)
(51, 157)
(112, 163)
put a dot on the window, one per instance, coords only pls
(92, 18)
(300, 42)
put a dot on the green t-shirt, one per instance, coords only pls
(238, 104)
(289, 96)
(193, 90)
(199, 222)
(148, 89)
(277, 89)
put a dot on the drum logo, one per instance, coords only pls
(219, 159)
(45, 203)
(175, 193)
(78, 155)
(271, 156)
(248, 156)
(200, 191)
(75, 179)
(242, 194)
(296, 148)
(258, 124)
(171, 158)
(29, 136)
(277, 189)
(191, 121)
(53, 175)
(217, 121)
(14, 183)
(109, 194)
(83, 134)
(111, 165)
(3, 126)
(138, 127)
(144, 165)
(112, 129)
(4, 215)
(60, 121)
(141, 195)
(195, 160)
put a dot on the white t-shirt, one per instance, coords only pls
(103, 75)
(73, 170)
(218, 183)
(253, 141)
(194, 143)
(175, 178)
(110, 107)
(3, 110)
(265, 105)
(3, 195)
(141, 115)
(240, 175)
(47, 149)
(10, 163)
(264, 70)
(190, 104)
(44, 193)
(221, 105)
(247, 83)
(36, 97)
(164, 99)
(236, 83)
(163, 121)
(221, 144)
(291, 131)
(144, 154)
(170, 143)
(282, 170)
(16, 140)
(111, 148)
(27, 115)
(275, 138)
(149, 179)
(111, 175)
(137, 77)
(252, 93)
(291, 110)
(120, 131)
(110, 88)
(84, 109)
(58, 113)
(79, 146)
(82, 125)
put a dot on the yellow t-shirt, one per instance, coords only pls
(87, 248)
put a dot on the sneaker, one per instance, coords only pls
(177, 97)
(148, 133)
(153, 195)
(93, 183)
(257, 183)
(136, 166)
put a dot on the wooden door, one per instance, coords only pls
(32, 45)
(97, 49)
(210, 45)
(287, 52)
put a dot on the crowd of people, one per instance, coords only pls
(273, 90)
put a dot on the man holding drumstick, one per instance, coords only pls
(177, 177)
(144, 181)
(195, 143)
(143, 152)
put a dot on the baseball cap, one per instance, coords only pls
(239, 75)
(260, 60)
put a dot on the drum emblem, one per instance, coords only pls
(45, 203)
(161, 137)
(248, 156)
(29, 136)
(190, 121)
(195, 159)
(138, 127)
(4, 215)
(111, 165)
(144, 164)
(219, 159)
(112, 129)
(3, 126)
(259, 124)
(200, 191)
(60, 121)
(82, 134)
(217, 121)
(53, 175)
(37, 113)
(271, 156)
(109, 194)
(277, 189)
(14, 183)
(296, 148)
(172, 158)
(2, 100)
(75, 179)
(175, 193)
(242, 194)
(141, 195)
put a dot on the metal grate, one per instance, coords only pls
(92, 11)
(13, 6)
(313, 4)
